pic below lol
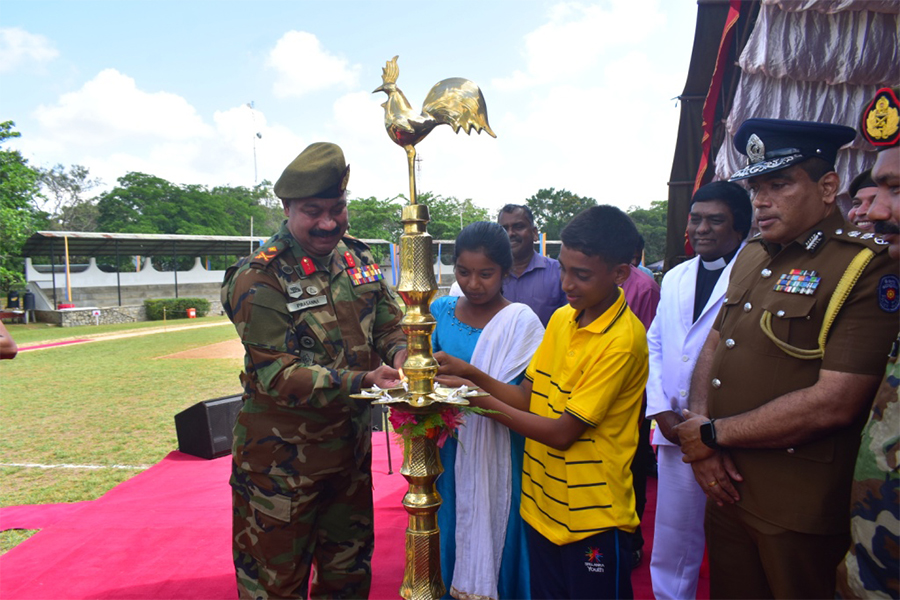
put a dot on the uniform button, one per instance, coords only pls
(724, 300)
(716, 383)
(572, 353)
(780, 313)
(729, 343)
(747, 307)
(683, 393)
(839, 231)
(790, 450)
(766, 273)
(685, 358)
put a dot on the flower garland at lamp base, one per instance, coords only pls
(438, 424)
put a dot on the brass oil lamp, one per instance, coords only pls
(459, 103)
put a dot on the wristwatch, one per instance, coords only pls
(708, 434)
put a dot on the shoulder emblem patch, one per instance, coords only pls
(267, 254)
(889, 293)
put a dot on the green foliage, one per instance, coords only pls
(64, 191)
(18, 216)
(450, 215)
(144, 203)
(651, 223)
(553, 209)
(174, 308)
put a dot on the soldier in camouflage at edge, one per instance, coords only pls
(316, 319)
(871, 569)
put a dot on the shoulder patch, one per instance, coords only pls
(266, 253)
(889, 293)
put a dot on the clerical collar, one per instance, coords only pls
(714, 265)
(719, 263)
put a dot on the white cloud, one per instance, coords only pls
(18, 47)
(576, 36)
(304, 66)
(110, 107)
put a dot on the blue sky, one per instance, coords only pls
(580, 94)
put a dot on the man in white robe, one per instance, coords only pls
(691, 295)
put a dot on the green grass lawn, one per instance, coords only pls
(107, 402)
(36, 333)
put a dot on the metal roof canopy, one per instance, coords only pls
(81, 243)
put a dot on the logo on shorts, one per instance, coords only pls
(594, 562)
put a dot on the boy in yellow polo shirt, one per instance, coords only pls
(579, 406)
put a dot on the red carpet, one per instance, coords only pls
(166, 534)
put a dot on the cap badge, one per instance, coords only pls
(756, 149)
(883, 120)
(798, 282)
(346, 179)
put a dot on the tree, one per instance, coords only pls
(65, 202)
(373, 218)
(651, 223)
(18, 216)
(554, 209)
(450, 215)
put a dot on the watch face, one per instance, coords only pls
(708, 434)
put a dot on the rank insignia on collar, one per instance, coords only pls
(307, 265)
(813, 241)
(798, 282)
(267, 254)
(348, 258)
(365, 274)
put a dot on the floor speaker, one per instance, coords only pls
(205, 429)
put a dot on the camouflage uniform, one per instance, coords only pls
(301, 480)
(871, 568)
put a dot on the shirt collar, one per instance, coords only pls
(815, 237)
(609, 317)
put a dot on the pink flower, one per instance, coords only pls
(399, 418)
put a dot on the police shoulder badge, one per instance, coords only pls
(889, 293)
(881, 120)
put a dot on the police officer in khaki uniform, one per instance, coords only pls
(316, 319)
(783, 384)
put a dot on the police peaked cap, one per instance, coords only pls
(775, 144)
(318, 172)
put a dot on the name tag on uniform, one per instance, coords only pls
(295, 290)
(308, 303)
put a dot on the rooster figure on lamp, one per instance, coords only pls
(455, 101)
(459, 103)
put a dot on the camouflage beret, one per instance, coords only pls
(318, 172)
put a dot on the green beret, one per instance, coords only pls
(318, 172)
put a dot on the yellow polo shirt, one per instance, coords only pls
(597, 374)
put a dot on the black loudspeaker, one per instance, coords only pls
(205, 429)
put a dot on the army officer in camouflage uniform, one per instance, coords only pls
(316, 320)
